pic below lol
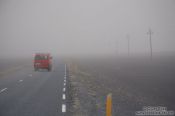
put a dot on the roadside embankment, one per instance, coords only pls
(134, 84)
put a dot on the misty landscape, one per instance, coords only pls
(91, 48)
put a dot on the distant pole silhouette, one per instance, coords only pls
(128, 39)
(117, 47)
(150, 40)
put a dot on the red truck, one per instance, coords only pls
(42, 61)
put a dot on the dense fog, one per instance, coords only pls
(86, 27)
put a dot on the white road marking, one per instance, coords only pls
(65, 70)
(63, 108)
(64, 89)
(20, 80)
(30, 75)
(64, 96)
(2, 90)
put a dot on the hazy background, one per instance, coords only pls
(85, 27)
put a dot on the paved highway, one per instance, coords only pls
(28, 93)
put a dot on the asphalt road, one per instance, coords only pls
(28, 93)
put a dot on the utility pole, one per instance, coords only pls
(128, 39)
(117, 47)
(150, 41)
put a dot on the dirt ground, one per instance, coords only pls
(134, 83)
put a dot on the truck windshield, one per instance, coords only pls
(40, 57)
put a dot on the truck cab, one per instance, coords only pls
(42, 61)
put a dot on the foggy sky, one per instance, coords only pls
(85, 26)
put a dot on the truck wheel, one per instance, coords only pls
(35, 69)
(49, 69)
